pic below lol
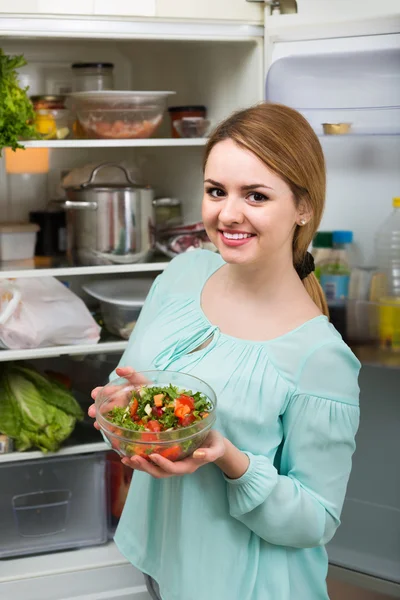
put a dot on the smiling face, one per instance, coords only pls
(249, 212)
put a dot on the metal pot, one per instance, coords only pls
(109, 223)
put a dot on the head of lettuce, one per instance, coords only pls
(34, 411)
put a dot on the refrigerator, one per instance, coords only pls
(330, 64)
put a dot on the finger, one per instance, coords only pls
(92, 411)
(140, 464)
(133, 376)
(94, 392)
(181, 467)
(207, 455)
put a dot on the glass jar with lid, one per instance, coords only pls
(89, 77)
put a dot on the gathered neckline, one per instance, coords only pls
(243, 340)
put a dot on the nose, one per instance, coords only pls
(231, 211)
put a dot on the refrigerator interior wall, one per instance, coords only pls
(368, 539)
(224, 76)
(357, 81)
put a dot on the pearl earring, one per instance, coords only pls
(303, 222)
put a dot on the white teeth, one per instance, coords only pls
(236, 236)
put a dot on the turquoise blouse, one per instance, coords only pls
(291, 404)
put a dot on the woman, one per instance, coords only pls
(247, 517)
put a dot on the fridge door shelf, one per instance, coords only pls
(383, 120)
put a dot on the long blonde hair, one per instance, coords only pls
(285, 142)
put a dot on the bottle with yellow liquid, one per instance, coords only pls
(387, 245)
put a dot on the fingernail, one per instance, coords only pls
(153, 457)
(199, 454)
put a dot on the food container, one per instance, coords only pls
(192, 127)
(118, 115)
(52, 119)
(167, 212)
(336, 128)
(121, 301)
(177, 113)
(109, 223)
(17, 241)
(52, 504)
(175, 444)
(90, 77)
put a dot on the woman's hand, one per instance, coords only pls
(127, 373)
(161, 468)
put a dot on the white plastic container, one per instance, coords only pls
(121, 301)
(17, 241)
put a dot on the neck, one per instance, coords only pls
(270, 279)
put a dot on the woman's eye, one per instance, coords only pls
(215, 192)
(257, 197)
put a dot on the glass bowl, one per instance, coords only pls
(118, 114)
(172, 444)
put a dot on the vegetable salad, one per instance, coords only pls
(161, 409)
(153, 410)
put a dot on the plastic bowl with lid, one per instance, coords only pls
(121, 301)
(174, 444)
(118, 114)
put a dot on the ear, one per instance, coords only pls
(304, 214)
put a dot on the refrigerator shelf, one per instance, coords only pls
(29, 269)
(79, 350)
(135, 143)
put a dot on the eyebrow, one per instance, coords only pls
(244, 188)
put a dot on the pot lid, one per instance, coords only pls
(91, 182)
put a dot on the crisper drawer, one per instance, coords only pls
(52, 503)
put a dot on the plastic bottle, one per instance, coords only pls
(335, 274)
(387, 248)
(322, 250)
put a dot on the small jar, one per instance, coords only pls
(167, 212)
(179, 112)
(89, 77)
(51, 116)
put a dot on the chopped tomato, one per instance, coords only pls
(181, 410)
(188, 420)
(186, 401)
(153, 426)
(134, 407)
(204, 415)
(172, 453)
(147, 436)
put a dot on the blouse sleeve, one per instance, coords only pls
(300, 506)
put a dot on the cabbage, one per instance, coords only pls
(35, 411)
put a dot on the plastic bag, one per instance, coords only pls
(40, 311)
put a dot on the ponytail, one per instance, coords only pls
(316, 293)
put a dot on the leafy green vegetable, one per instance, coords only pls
(16, 110)
(34, 411)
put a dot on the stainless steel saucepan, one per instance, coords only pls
(109, 223)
